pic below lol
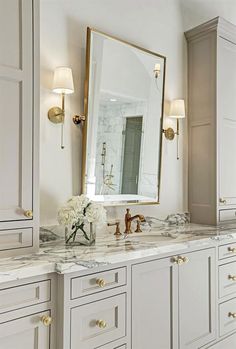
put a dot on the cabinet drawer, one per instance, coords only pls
(227, 321)
(25, 333)
(227, 279)
(23, 296)
(98, 323)
(89, 284)
(227, 343)
(16, 238)
(227, 215)
(227, 251)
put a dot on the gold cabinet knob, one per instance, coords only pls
(46, 320)
(233, 315)
(232, 249)
(28, 214)
(101, 323)
(222, 201)
(180, 260)
(101, 282)
(232, 277)
(185, 259)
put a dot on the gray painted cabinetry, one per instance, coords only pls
(212, 121)
(185, 301)
(19, 132)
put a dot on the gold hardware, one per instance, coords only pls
(129, 219)
(185, 259)
(232, 277)
(28, 214)
(117, 224)
(101, 282)
(77, 119)
(233, 315)
(138, 229)
(101, 323)
(46, 320)
(222, 201)
(169, 133)
(56, 115)
(232, 249)
(180, 260)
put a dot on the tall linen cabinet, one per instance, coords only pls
(19, 126)
(212, 121)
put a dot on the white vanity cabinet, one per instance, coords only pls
(154, 305)
(173, 304)
(212, 121)
(19, 126)
(25, 333)
(28, 314)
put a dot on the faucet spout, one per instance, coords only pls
(129, 219)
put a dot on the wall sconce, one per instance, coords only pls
(62, 84)
(177, 111)
(157, 70)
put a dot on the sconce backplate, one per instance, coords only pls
(169, 133)
(56, 115)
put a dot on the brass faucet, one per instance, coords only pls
(129, 219)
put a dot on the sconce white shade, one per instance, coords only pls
(157, 67)
(63, 80)
(177, 109)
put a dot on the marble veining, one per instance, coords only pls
(54, 256)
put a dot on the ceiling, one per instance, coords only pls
(198, 11)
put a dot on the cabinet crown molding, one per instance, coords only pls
(223, 28)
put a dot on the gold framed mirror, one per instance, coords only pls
(122, 134)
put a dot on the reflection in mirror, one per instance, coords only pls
(125, 89)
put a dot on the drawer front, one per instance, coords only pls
(227, 279)
(89, 284)
(227, 320)
(227, 215)
(25, 333)
(25, 295)
(227, 251)
(227, 343)
(98, 323)
(16, 238)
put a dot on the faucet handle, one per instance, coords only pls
(117, 224)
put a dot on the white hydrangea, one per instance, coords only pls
(79, 210)
(96, 213)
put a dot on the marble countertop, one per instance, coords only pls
(54, 256)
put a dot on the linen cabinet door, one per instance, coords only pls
(25, 333)
(227, 122)
(154, 301)
(197, 299)
(16, 109)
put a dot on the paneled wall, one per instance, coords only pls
(155, 25)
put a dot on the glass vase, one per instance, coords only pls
(78, 237)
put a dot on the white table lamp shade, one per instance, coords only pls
(177, 109)
(63, 80)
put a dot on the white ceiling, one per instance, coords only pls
(198, 11)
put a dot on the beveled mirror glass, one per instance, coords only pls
(124, 96)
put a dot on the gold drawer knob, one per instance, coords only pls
(232, 249)
(101, 282)
(222, 201)
(28, 214)
(101, 323)
(233, 315)
(232, 277)
(46, 320)
(180, 260)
